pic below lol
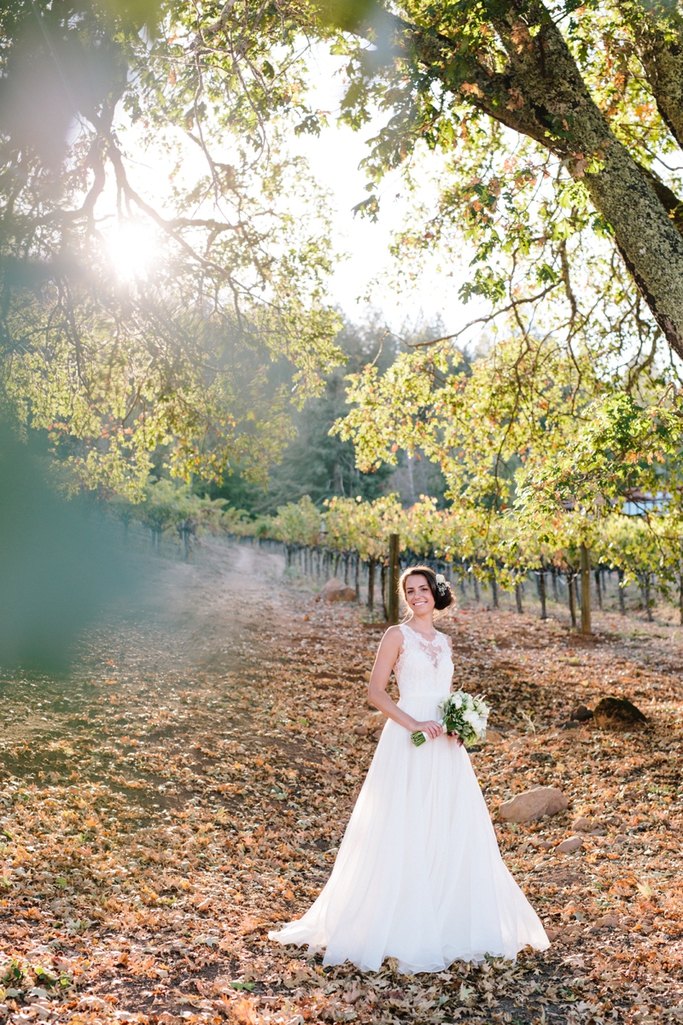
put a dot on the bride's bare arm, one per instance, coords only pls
(387, 656)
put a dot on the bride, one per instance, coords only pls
(419, 876)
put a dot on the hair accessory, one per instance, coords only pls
(441, 584)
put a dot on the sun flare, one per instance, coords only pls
(132, 250)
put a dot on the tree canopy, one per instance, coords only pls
(552, 132)
(559, 123)
(114, 357)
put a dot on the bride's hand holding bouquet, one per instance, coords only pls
(463, 716)
(430, 728)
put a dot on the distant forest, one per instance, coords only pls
(319, 464)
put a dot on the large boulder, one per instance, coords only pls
(533, 804)
(337, 590)
(618, 714)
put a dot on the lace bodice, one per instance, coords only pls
(424, 667)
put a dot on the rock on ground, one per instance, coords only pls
(618, 714)
(337, 590)
(572, 843)
(533, 804)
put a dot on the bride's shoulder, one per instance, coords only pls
(445, 637)
(392, 643)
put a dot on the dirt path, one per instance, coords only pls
(187, 788)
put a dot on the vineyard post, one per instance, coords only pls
(357, 577)
(393, 579)
(494, 589)
(518, 597)
(571, 594)
(541, 590)
(647, 600)
(371, 585)
(322, 558)
(598, 586)
(620, 588)
(585, 591)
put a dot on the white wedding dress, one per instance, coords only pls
(418, 876)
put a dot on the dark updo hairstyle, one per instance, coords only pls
(442, 601)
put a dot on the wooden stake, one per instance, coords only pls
(541, 592)
(571, 594)
(585, 591)
(392, 602)
(371, 586)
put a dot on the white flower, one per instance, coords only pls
(440, 578)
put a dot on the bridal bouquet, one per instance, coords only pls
(462, 715)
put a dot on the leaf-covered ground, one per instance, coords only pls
(187, 789)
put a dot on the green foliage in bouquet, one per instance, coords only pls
(462, 715)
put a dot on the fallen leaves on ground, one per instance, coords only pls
(187, 790)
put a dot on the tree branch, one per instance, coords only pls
(659, 44)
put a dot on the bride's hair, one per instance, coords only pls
(441, 589)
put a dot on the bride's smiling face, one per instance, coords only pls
(419, 595)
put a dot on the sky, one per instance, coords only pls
(334, 157)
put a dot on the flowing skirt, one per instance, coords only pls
(418, 876)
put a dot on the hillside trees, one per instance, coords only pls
(317, 462)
